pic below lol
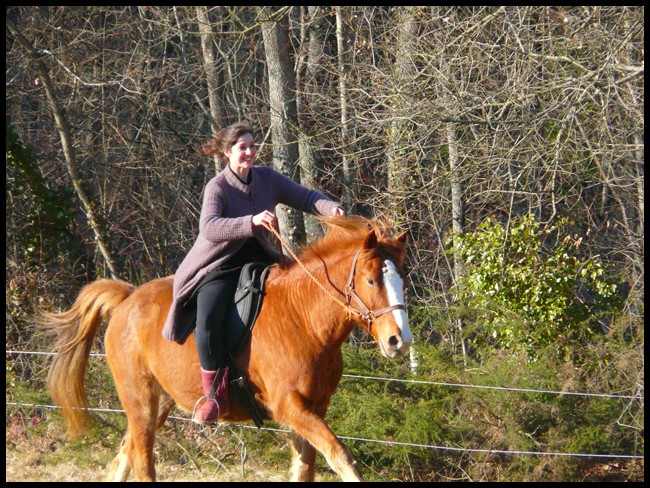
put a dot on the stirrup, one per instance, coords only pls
(207, 398)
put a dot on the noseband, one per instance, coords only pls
(365, 313)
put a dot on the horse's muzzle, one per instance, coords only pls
(394, 346)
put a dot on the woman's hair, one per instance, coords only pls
(225, 139)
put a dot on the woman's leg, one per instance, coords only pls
(212, 304)
(213, 301)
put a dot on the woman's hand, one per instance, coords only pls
(338, 211)
(265, 219)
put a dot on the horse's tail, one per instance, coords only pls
(76, 329)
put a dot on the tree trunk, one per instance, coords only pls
(457, 211)
(400, 127)
(211, 75)
(342, 43)
(308, 103)
(282, 100)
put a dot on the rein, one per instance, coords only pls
(366, 314)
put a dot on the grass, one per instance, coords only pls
(36, 450)
(387, 411)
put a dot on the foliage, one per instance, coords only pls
(526, 293)
(431, 413)
(46, 229)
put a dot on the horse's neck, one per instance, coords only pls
(320, 312)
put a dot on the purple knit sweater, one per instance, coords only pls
(227, 221)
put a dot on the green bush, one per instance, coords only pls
(526, 287)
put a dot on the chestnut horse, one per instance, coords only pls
(292, 359)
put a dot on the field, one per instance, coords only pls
(36, 451)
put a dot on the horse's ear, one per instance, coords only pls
(371, 240)
(402, 238)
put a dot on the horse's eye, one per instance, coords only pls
(371, 282)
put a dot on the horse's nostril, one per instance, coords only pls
(394, 341)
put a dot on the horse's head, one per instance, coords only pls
(375, 291)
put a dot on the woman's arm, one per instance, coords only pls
(297, 196)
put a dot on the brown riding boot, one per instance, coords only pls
(215, 406)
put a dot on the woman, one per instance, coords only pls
(237, 213)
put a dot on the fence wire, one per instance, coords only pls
(391, 443)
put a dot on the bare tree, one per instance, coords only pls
(436, 117)
(91, 208)
(312, 40)
(282, 102)
(399, 161)
(343, 47)
(211, 70)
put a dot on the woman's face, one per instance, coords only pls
(242, 154)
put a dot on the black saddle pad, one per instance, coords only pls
(246, 305)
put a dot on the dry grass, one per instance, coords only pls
(25, 467)
(36, 451)
(29, 462)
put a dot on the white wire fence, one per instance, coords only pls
(636, 397)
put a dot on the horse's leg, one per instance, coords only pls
(304, 458)
(137, 387)
(141, 405)
(309, 425)
(120, 468)
(139, 394)
(165, 406)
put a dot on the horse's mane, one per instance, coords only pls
(350, 231)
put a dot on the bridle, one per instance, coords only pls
(365, 313)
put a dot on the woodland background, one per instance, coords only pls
(507, 141)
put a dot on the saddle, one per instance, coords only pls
(239, 323)
(246, 306)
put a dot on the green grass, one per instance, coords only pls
(414, 414)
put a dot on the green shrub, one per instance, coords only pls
(523, 291)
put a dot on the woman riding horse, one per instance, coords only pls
(350, 277)
(237, 214)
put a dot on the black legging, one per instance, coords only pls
(212, 303)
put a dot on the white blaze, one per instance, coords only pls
(395, 291)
